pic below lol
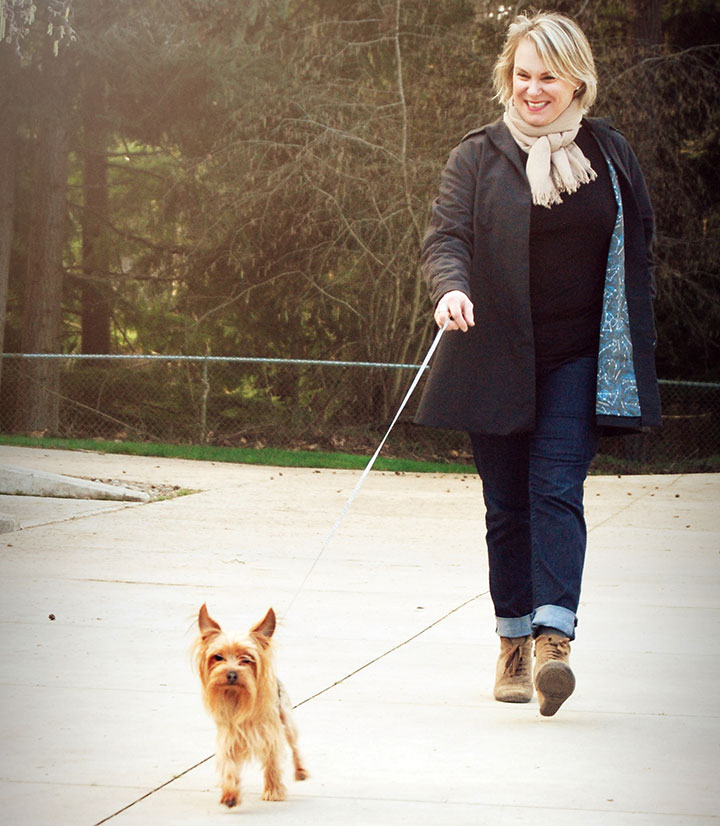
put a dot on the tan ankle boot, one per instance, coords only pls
(554, 680)
(513, 680)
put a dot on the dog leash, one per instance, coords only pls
(369, 465)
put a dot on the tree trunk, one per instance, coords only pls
(644, 22)
(9, 67)
(42, 305)
(95, 305)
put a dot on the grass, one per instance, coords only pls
(604, 464)
(277, 457)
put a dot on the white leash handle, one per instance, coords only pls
(368, 468)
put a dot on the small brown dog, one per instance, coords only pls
(250, 706)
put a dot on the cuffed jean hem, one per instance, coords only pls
(554, 616)
(514, 626)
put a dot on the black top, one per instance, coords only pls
(569, 245)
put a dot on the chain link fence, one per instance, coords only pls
(311, 405)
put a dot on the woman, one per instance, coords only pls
(538, 251)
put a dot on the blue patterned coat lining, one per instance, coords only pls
(617, 393)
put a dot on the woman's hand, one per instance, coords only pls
(458, 307)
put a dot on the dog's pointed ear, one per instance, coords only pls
(266, 626)
(208, 627)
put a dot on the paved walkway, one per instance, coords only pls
(386, 645)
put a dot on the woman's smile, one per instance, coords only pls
(536, 106)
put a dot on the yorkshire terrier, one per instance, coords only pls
(249, 704)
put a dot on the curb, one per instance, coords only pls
(20, 482)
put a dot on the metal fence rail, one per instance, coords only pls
(297, 403)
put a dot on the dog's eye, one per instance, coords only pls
(247, 660)
(218, 658)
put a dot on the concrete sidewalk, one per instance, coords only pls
(385, 643)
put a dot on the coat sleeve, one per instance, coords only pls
(637, 181)
(447, 248)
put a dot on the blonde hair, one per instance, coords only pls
(562, 47)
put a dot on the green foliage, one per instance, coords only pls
(19, 17)
(270, 166)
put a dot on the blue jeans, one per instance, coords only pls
(533, 491)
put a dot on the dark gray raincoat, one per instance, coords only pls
(478, 242)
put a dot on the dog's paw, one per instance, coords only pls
(301, 773)
(230, 799)
(274, 793)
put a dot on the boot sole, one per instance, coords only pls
(513, 697)
(554, 683)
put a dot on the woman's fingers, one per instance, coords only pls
(458, 307)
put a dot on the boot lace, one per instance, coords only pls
(552, 648)
(516, 664)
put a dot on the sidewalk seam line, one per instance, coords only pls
(302, 702)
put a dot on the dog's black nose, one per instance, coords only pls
(232, 677)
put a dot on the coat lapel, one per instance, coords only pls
(500, 136)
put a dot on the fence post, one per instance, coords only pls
(203, 403)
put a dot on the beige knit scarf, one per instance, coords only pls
(555, 162)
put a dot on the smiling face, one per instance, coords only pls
(538, 95)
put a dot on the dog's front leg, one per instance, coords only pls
(274, 788)
(230, 760)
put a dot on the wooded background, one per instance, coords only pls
(253, 177)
